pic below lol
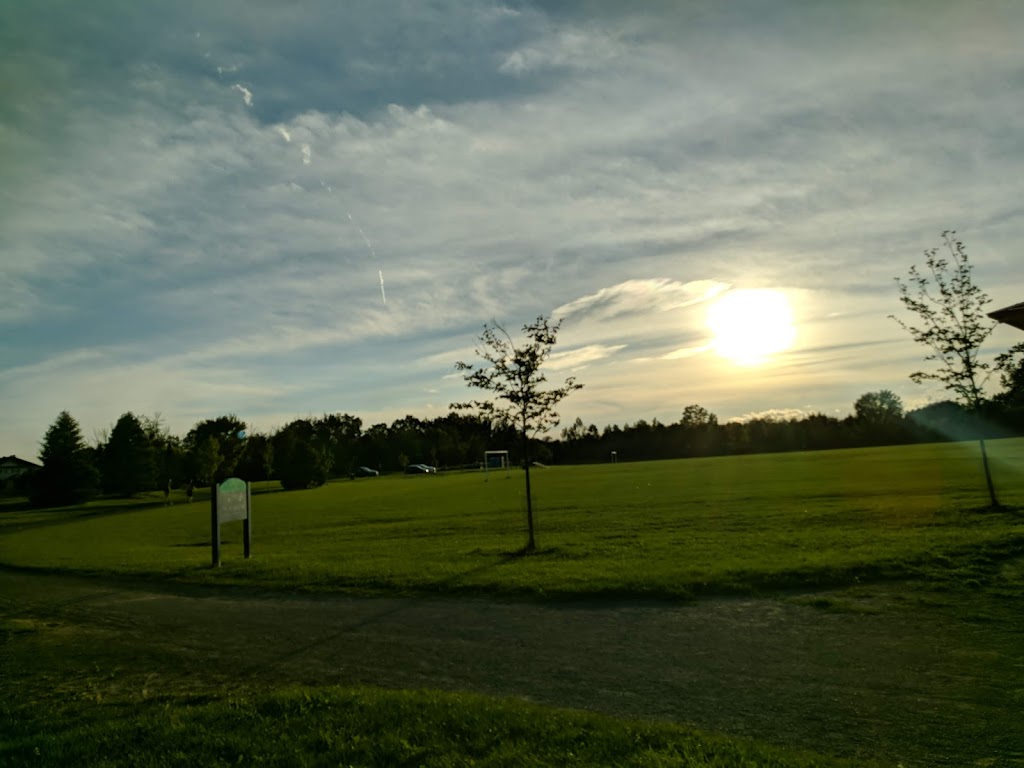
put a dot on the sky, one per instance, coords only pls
(280, 210)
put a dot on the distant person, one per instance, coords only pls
(189, 489)
(167, 493)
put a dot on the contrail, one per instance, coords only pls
(369, 246)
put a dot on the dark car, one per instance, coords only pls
(366, 472)
(420, 469)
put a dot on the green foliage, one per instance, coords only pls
(206, 460)
(68, 475)
(227, 432)
(697, 417)
(1010, 401)
(953, 323)
(168, 454)
(670, 529)
(257, 462)
(1010, 365)
(127, 461)
(514, 377)
(301, 466)
(882, 408)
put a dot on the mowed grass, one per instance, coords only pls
(662, 529)
(367, 727)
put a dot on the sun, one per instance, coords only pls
(751, 325)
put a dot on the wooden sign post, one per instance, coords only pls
(231, 500)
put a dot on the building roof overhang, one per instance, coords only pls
(1010, 315)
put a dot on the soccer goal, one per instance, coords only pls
(495, 461)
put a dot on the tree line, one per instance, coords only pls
(140, 454)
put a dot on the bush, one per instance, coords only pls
(301, 467)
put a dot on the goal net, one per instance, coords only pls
(495, 461)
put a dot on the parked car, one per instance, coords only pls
(366, 472)
(420, 469)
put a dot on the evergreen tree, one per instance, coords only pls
(127, 463)
(67, 476)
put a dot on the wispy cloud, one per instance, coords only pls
(579, 357)
(634, 296)
(686, 352)
(621, 167)
(246, 93)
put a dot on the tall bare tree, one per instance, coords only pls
(953, 325)
(514, 377)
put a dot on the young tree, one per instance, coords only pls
(67, 475)
(953, 325)
(514, 377)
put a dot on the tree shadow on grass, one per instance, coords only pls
(63, 515)
(988, 509)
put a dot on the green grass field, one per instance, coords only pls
(661, 529)
(896, 530)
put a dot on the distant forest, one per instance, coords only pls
(139, 454)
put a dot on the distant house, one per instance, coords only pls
(1010, 315)
(12, 466)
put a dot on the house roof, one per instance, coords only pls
(14, 461)
(1010, 315)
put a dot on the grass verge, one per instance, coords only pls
(365, 727)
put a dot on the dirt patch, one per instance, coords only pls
(903, 682)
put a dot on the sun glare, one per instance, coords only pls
(751, 325)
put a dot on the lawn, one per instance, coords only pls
(367, 727)
(662, 529)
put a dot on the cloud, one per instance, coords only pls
(246, 93)
(564, 48)
(686, 352)
(621, 167)
(634, 296)
(773, 414)
(579, 357)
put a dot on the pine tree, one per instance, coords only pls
(128, 465)
(67, 476)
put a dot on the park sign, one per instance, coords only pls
(230, 500)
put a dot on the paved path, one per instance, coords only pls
(851, 684)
